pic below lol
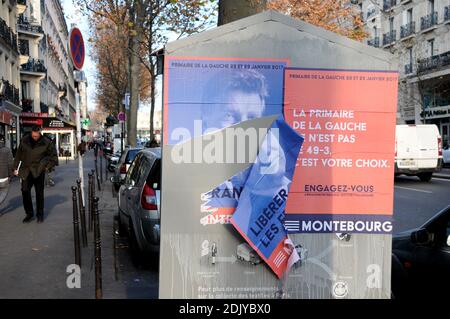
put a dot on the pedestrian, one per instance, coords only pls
(37, 155)
(6, 167)
(96, 147)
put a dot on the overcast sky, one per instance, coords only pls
(74, 15)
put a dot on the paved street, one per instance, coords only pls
(416, 201)
(33, 257)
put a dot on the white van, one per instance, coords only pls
(418, 150)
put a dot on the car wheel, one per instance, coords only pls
(425, 177)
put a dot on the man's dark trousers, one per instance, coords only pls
(27, 184)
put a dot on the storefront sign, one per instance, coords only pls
(436, 112)
(56, 124)
(32, 114)
(29, 122)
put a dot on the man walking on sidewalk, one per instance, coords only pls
(37, 154)
(6, 166)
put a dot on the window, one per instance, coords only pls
(391, 24)
(410, 56)
(431, 47)
(430, 6)
(409, 16)
(375, 32)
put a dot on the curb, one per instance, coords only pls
(441, 176)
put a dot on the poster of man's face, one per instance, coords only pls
(220, 93)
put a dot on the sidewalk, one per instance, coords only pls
(34, 257)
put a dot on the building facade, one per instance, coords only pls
(47, 85)
(10, 106)
(417, 32)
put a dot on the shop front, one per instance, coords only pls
(8, 125)
(61, 132)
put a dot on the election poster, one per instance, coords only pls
(223, 128)
(260, 211)
(203, 95)
(344, 180)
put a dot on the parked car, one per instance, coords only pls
(446, 156)
(113, 161)
(139, 202)
(418, 151)
(421, 259)
(123, 165)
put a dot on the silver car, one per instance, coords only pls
(123, 166)
(139, 202)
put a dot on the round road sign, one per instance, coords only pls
(77, 50)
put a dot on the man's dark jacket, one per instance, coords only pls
(36, 157)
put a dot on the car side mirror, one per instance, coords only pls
(421, 237)
(448, 241)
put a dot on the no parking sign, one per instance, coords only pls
(77, 49)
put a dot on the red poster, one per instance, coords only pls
(344, 180)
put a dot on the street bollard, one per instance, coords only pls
(97, 177)
(90, 197)
(82, 211)
(115, 240)
(98, 252)
(101, 169)
(76, 228)
(106, 171)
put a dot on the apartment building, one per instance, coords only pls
(46, 73)
(417, 32)
(10, 108)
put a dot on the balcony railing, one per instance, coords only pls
(389, 37)
(408, 68)
(11, 93)
(27, 105)
(63, 90)
(447, 13)
(388, 4)
(371, 13)
(434, 62)
(375, 42)
(8, 35)
(24, 24)
(24, 47)
(35, 66)
(407, 29)
(428, 21)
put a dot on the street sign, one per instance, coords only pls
(122, 117)
(127, 101)
(77, 49)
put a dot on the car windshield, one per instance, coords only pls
(131, 154)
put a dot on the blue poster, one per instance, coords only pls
(260, 212)
(204, 95)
